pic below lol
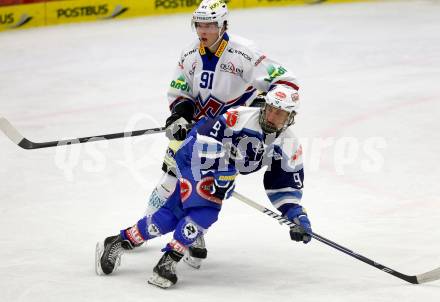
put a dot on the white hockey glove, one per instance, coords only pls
(178, 124)
(177, 128)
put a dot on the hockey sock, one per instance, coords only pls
(175, 246)
(162, 222)
(133, 235)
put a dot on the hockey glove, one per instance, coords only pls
(303, 229)
(178, 124)
(177, 127)
(224, 184)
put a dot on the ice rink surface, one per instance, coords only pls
(370, 75)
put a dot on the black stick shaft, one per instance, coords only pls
(410, 279)
(26, 144)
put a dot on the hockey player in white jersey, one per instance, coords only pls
(217, 71)
(241, 141)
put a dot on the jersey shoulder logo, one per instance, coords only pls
(298, 153)
(231, 118)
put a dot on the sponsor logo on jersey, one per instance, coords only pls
(239, 52)
(190, 231)
(274, 72)
(82, 11)
(229, 67)
(180, 84)
(204, 189)
(221, 48)
(260, 59)
(185, 189)
(187, 54)
(231, 118)
(193, 68)
(202, 50)
(227, 177)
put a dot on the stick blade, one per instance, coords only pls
(10, 131)
(429, 276)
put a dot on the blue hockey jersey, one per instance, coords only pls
(235, 140)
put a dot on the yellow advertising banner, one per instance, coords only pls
(59, 12)
(22, 16)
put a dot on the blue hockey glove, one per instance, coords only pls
(303, 228)
(224, 183)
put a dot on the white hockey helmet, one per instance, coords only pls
(211, 11)
(282, 98)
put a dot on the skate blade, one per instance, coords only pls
(99, 250)
(159, 281)
(192, 262)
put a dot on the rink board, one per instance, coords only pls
(61, 12)
(22, 16)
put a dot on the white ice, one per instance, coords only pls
(370, 73)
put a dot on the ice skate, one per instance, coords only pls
(196, 253)
(164, 273)
(108, 254)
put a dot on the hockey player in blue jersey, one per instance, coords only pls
(241, 141)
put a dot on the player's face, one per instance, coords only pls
(208, 33)
(276, 117)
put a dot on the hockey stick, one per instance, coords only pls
(15, 136)
(417, 279)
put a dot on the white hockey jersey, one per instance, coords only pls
(230, 77)
(236, 139)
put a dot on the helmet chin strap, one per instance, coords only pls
(220, 35)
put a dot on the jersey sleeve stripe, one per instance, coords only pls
(275, 197)
(281, 190)
(280, 203)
